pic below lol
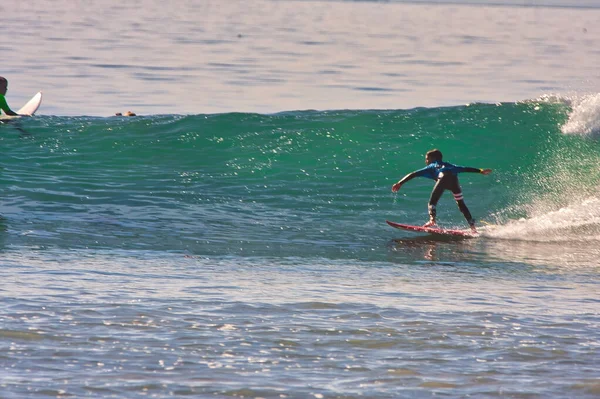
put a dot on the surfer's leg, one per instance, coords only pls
(436, 193)
(465, 211)
(458, 197)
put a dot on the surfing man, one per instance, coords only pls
(446, 176)
(3, 105)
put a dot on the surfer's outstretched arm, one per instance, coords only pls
(406, 178)
(473, 170)
(428, 171)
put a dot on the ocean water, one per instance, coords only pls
(102, 57)
(230, 241)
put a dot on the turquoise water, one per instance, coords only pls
(301, 183)
(231, 240)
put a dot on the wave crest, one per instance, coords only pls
(584, 118)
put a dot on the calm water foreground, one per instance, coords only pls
(88, 323)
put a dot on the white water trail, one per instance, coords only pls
(578, 221)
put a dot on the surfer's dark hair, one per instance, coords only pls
(3, 79)
(434, 155)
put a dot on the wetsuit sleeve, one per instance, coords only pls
(425, 172)
(408, 177)
(4, 107)
(460, 169)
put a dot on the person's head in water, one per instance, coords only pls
(433, 156)
(3, 85)
(128, 113)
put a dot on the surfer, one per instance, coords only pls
(3, 105)
(446, 176)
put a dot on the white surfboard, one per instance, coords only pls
(31, 106)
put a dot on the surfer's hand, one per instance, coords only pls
(396, 187)
(486, 171)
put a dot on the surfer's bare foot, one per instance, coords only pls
(431, 223)
(473, 229)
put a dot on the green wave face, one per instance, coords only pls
(285, 183)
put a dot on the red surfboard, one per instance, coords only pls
(433, 230)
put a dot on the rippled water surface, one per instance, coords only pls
(111, 324)
(98, 58)
(242, 252)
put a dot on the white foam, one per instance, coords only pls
(576, 222)
(584, 118)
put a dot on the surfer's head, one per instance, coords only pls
(3, 85)
(432, 156)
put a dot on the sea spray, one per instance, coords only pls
(584, 118)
